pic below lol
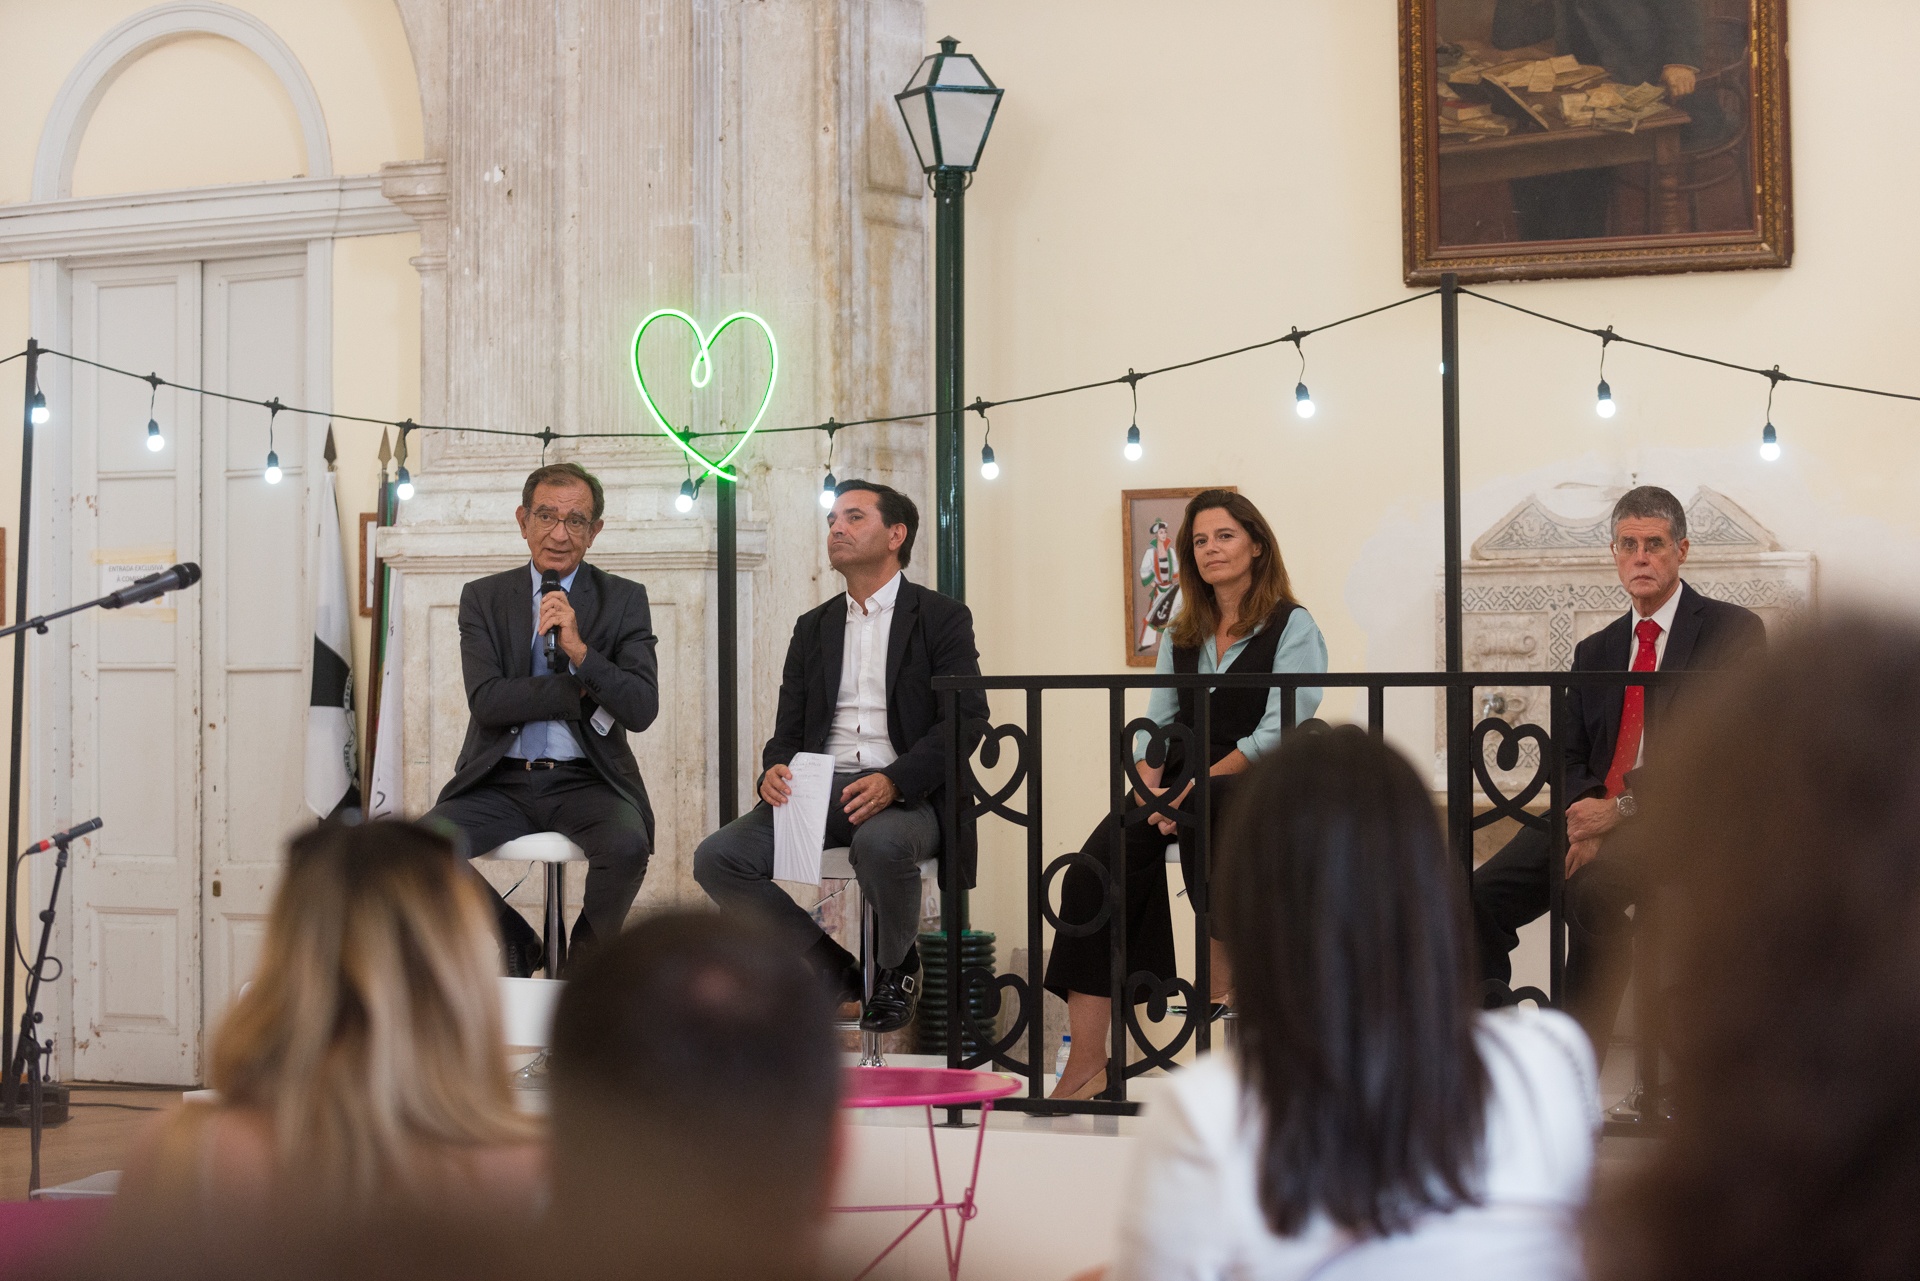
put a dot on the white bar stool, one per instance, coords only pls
(836, 864)
(555, 851)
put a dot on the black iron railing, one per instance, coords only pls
(977, 992)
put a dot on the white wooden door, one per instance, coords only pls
(257, 615)
(136, 683)
(188, 717)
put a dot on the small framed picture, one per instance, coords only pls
(1149, 521)
(369, 567)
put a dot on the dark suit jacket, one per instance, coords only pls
(1633, 39)
(1706, 634)
(496, 657)
(931, 635)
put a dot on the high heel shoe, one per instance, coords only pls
(1093, 1085)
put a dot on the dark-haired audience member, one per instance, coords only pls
(858, 686)
(1671, 627)
(362, 1072)
(1789, 829)
(548, 719)
(1237, 614)
(695, 1096)
(1368, 1119)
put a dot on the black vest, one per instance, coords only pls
(1234, 713)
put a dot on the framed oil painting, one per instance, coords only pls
(1149, 520)
(1593, 137)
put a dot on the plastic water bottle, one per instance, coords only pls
(1061, 1055)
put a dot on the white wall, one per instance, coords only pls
(1169, 180)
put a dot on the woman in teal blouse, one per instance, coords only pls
(1237, 614)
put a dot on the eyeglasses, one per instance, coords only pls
(546, 518)
(1631, 546)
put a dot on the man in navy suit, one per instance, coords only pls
(1671, 627)
(858, 686)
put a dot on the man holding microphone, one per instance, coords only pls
(558, 658)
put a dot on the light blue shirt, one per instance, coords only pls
(552, 740)
(1301, 649)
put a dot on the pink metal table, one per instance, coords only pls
(928, 1088)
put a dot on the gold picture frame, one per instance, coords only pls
(1510, 171)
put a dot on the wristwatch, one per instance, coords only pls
(1627, 806)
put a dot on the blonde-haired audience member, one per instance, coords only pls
(362, 1072)
(1369, 1123)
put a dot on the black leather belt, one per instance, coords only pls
(516, 763)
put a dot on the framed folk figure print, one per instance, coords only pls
(1593, 137)
(1149, 522)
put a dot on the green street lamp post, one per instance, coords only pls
(949, 106)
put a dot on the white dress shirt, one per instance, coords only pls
(858, 737)
(1192, 1206)
(1664, 618)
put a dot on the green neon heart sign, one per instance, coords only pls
(701, 373)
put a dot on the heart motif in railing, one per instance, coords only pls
(701, 373)
(1159, 992)
(997, 985)
(1506, 756)
(992, 799)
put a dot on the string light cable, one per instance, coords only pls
(404, 485)
(1769, 438)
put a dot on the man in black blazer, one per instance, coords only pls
(551, 701)
(1671, 627)
(858, 685)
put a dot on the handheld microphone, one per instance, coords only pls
(145, 589)
(72, 833)
(550, 582)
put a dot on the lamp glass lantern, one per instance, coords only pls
(949, 107)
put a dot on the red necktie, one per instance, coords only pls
(1633, 710)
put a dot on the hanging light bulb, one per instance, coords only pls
(403, 485)
(1769, 444)
(1603, 402)
(826, 492)
(683, 501)
(988, 468)
(1133, 449)
(37, 408)
(1302, 401)
(273, 468)
(155, 441)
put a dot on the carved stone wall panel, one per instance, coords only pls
(1538, 583)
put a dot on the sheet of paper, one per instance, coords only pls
(800, 826)
(602, 722)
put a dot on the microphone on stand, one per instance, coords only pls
(65, 838)
(550, 582)
(145, 589)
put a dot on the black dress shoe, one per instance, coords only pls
(890, 1008)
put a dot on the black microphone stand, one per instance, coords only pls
(30, 1055)
(10, 1109)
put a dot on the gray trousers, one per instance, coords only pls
(735, 867)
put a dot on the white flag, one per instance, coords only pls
(332, 763)
(384, 800)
